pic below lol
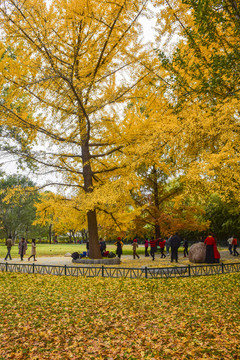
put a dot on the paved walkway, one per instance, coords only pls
(63, 260)
(44, 260)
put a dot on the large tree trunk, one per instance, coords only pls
(26, 233)
(50, 233)
(156, 202)
(157, 231)
(94, 249)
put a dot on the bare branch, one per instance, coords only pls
(112, 216)
(106, 170)
(58, 184)
(107, 153)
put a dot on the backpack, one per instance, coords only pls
(75, 255)
(111, 255)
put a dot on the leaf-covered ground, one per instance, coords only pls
(50, 317)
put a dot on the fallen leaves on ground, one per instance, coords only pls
(51, 317)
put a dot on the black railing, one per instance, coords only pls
(118, 272)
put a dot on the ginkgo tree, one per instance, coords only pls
(205, 63)
(203, 75)
(66, 67)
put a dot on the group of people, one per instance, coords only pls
(22, 248)
(212, 253)
(172, 242)
(153, 243)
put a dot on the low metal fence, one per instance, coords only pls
(121, 272)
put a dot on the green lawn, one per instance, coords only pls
(51, 317)
(45, 249)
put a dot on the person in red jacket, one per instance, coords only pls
(234, 244)
(153, 245)
(216, 254)
(210, 243)
(162, 243)
(146, 243)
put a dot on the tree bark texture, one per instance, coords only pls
(94, 249)
(156, 201)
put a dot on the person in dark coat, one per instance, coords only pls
(119, 245)
(146, 247)
(9, 244)
(22, 246)
(175, 242)
(102, 245)
(210, 243)
(185, 246)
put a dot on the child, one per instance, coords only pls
(135, 246)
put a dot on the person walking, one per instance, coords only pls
(146, 243)
(119, 245)
(9, 244)
(230, 245)
(162, 243)
(153, 246)
(22, 246)
(168, 245)
(135, 246)
(33, 253)
(175, 242)
(234, 243)
(185, 246)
